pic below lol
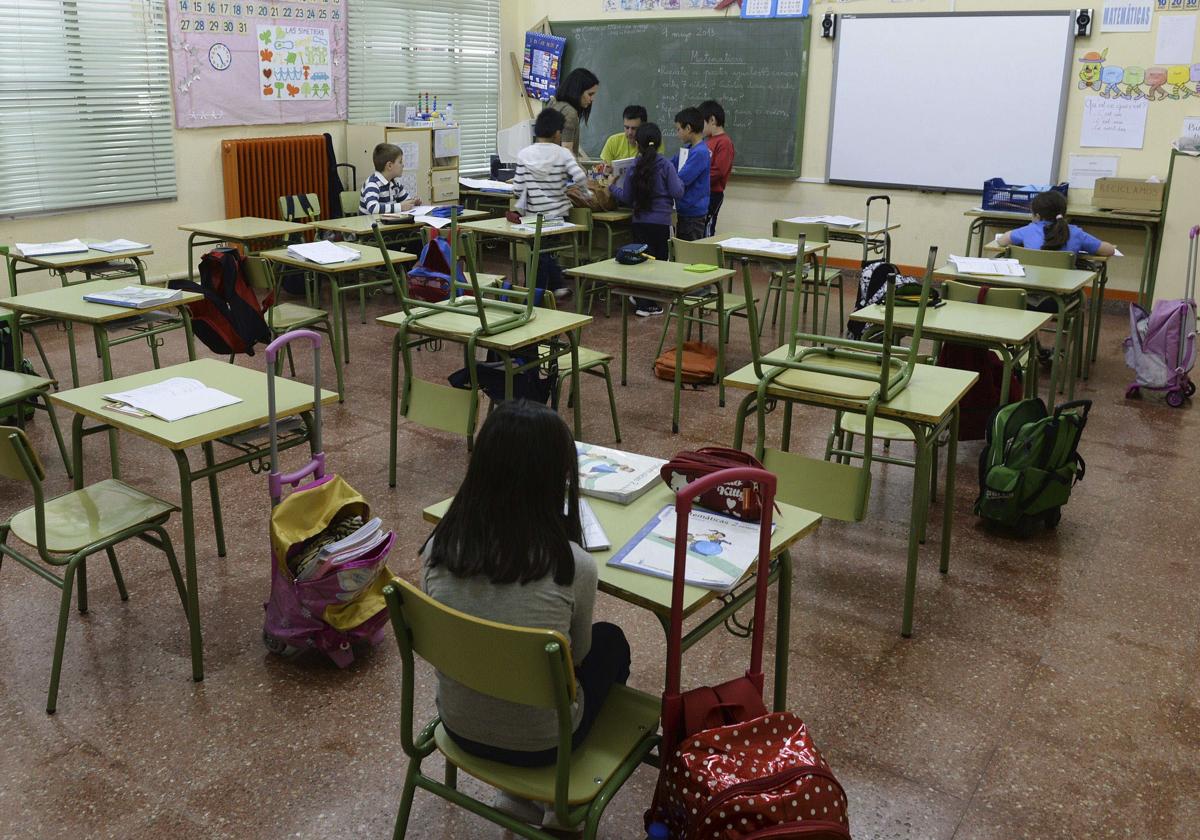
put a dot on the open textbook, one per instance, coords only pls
(993, 267)
(135, 297)
(173, 399)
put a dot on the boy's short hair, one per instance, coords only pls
(711, 109)
(384, 154)
(635, 112)
(691, 118)
(548, 123)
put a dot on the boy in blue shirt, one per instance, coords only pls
(692, 162)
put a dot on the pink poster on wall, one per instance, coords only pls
(236, 63)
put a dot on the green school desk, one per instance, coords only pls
(503, 229)
(1062, 285)
(361, 225)
(1149, 224)
(621, 522)
(928, 407)
(486, 201)
(777, 262)
(291, 398)
(88, 262)
(343, 279)
(1006, 331)
(667, 281)
(611, 221)
(240, 231)
(877, 240)
(455, 409)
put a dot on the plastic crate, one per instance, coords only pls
(998, 195)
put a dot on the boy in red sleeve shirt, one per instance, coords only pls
(720, 147)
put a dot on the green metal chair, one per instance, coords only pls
(818, 283)
(1055, 259)
(858, 373)
(16, 389)
(699, 309)
(284, 316)
(68, 529)
(524, 665)
(302, 208)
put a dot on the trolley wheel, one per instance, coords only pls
(1190, 388)
(1175, 399)
(1133, 392)
(278, 646)
(1053, 517)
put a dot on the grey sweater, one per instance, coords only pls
(539, 603)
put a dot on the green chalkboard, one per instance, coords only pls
(757, 69)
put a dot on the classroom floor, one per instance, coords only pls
(1051, 689)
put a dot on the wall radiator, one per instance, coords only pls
(259, 170)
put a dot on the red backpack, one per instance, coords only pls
(429, 279)
(230, 318)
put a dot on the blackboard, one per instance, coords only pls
(756, 69)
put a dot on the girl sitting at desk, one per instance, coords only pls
(1049, 230)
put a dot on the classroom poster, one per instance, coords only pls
(1176, 5)
(1127, 16)
(542, 63)
(244, 63)
(658, 5)
(1113, 123)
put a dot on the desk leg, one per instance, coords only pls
(101, 334)
(1146, 287)
(721, 339)
(1006, 358)
(189, 563)
(573, 338)
(783, 630)
(1031, 369)
(948, 504)
(191, 261)
(395, 407)
(624, 339)
(1057, 366)
(679, 331)
(1094, 321)
(921, 441)
(215, 496)
(188, 336)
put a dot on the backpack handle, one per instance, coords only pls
(1086, 405)
(315, 467)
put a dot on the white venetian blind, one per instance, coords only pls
(85, 104)
(450, 48)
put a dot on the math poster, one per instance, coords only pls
(236, 63)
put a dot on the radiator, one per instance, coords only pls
(257, 171)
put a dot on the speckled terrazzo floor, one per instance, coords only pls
(1051, 689)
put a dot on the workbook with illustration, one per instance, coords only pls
(615, 475)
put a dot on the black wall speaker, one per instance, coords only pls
(1083, 23)
(828, 25)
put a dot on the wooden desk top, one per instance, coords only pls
(1038, 278)
(958, 319)
(505, 228)
(63, 262)
(621, 522)
(67, 304)
(655, 275)
(245, 228)
(370, 259)
(810, 247)
(929, 398)
(545, 324)
(360, 225)
(1074, 211)
(250, 385)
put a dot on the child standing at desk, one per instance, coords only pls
(1049, 230)
(383, 192)
(522, 565)
(720, 147)
(692, 164)
(650, 187)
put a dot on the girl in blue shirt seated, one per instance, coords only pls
(1049, 230)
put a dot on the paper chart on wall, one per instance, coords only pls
(1127, 16)
(1176, 39)
(412, 162)
(1085, 169)
(294, 63)
(1113, 123)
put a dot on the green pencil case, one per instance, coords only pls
(701, 268)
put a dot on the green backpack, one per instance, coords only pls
(1030, 463)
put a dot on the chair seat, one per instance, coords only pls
(15, 386)
(628, 716)
(284, 316)
(732, 302)
(856, 424)
(589, 358)
(831, 384)
(82, 517)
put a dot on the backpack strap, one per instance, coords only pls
(983, 293)
(306, 205)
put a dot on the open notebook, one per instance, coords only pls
(172, 399)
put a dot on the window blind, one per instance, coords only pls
(449, 48)
(85, 104)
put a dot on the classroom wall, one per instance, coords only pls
(927, 219)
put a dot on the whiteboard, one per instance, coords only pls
(947, 101)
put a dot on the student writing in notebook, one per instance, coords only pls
(524, 565)
(383, 192)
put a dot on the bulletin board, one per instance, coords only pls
(244, 63)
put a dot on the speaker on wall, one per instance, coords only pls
(828, 25)
(1083, 23)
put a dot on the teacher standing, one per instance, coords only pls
(574, 100)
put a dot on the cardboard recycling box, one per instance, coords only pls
(1129, 194)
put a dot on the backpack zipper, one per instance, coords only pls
(816, 828)
(768, 782)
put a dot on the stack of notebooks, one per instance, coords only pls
(135, 297)
(343, 541)
(170, 400)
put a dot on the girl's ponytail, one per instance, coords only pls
(649, 141)
(1051, 207)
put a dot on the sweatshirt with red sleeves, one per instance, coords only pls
(720, 147)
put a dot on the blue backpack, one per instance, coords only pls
(429, 279)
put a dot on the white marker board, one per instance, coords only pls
(946, 101)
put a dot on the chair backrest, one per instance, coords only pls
(349, 200)
(812, 231)
(303, 207)
(516, 664)
(708, 253)
(19, 460)
(1046, 259)
(258, 274)
(969, 293)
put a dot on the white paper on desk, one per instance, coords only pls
(1113, 123)
(323, 252)
(174, 398)
(836, 221)
(1085, 169)
(1176, 39)
(983, 265)
(745, 243)
(437, 222)
(485, 184)
(49, 249)
(118, 245)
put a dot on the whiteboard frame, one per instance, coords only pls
(1064, 95)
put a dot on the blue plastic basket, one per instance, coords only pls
(998, 195)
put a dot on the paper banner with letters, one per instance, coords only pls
(243, 63)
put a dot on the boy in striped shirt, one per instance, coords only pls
(383, 192)
(546, 169)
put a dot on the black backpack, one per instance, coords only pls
(872, 289)
(230, 318)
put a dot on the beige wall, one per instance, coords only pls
(927, 219)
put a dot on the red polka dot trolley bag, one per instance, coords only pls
(731, 770)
